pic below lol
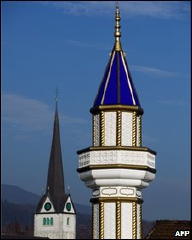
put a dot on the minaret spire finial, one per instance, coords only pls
(117, 33)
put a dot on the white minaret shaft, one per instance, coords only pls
(117, 167)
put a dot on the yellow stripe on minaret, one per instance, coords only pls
(134, 130)
(101, 220)
(102, 128)
(118, 138)
(118, 220)
(134, 220)
(140, 131)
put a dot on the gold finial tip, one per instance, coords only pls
(117, 33)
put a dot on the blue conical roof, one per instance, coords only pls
(117, 85)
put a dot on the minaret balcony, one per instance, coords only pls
(117, 166)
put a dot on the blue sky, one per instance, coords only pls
(67, 45)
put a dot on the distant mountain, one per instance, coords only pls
(19, 206)
(17, 195)
(21, 213)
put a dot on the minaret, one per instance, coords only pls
(55, 215)
(117, 167)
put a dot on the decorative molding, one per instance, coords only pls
(134, 222)
(130, 148)
(111, 157)
(116, 199)
(118, 132)
(105, 166)
(118, 220)
(134, 129)
(97, 109)
(102, 128)
(114, 191)
(109, 191)
(96, 192)
(101, 220)
(138, 194)
(127, 191)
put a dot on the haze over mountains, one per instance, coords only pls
(18, 205)
(17, 195)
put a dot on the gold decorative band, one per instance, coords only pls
(102, 129)
(118, 141)
(134, 132)
(140, 131)
(120, 107)
(108, 166)
(101, 220)
(130, 148)
(134, 220)
(118, 220)
(116, 199)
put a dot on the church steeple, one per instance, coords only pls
(55, 179)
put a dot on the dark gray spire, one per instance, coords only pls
(55, 179)
(55, 189)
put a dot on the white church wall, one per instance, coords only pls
(42, 230)
(62, 228)
(69, 225)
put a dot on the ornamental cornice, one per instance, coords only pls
(128, 148)
(107, 166)
(116, 199)
(119, 107)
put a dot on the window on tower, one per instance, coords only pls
(48, 221)
(68, 221)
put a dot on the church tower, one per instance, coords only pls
(117, 166)
(55, 215)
